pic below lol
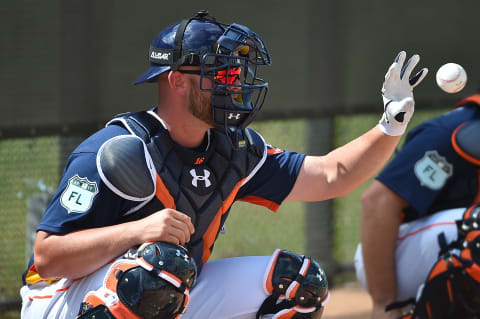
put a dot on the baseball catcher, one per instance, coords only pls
(160, 183)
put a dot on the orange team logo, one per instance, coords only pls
(199, 160)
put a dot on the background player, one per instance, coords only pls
(424, 189)
(171, 174)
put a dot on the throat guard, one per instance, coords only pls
(296, 285)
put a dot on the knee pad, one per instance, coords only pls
(297, 287)
(153, 281)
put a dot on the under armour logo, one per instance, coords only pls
(320, 275)
(234, 116)
(200, 177)
(180, 254)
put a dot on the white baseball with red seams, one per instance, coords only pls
(451, 77)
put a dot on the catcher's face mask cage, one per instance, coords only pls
(229, 57)
(238, 92)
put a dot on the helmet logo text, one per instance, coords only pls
(160, 55)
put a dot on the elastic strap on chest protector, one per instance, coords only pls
(452, 288)
(296, 285)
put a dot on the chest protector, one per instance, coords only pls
(162, 174)
(452, 288)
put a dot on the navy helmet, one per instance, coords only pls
(183, 43)
(229, 56)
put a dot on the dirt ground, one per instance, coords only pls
(348, 302)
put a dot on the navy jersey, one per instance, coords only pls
(427, 172)
(84, 201)
(280, 167)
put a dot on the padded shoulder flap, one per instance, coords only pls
(257, 146)
(470, 100)
(143, 124)
(465, 141)
(126, 167)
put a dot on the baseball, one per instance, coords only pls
(451, 77)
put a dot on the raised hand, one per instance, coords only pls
(397, 94)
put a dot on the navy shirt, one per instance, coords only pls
(427, 172)
(84, 201)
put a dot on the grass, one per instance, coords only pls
(27, 166)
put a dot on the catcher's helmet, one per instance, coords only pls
(183, 43)
(228, 56)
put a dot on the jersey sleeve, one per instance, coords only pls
(274, 180)
(422, 168)
(82, 200)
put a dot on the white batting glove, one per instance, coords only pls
(397, 93)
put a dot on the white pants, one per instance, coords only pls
(229, 288)
(417, 250)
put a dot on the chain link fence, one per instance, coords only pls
(29, 172)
